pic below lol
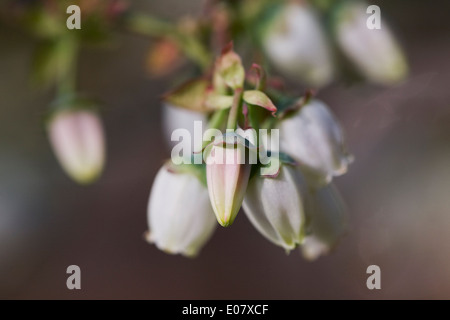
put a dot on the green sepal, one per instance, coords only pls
(71, 102)
(281, 160)
(197, 170)
(191, 95)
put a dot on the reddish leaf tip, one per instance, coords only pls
(228, 48)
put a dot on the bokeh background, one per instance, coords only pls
(397, 190)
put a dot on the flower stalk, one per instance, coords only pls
(237, 103)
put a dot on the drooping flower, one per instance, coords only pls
(227, 175)
(181, 118)
(179, 215)
(78, 142)
(313, 137)
(328, 222)
(275, 207)
(375, 52)
(295, 43)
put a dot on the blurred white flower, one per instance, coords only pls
(327, 222)
(227, 175)
(78, 142)
(275, 207)
(314, 138)
(180, 216)
(375, 52)
(296, 44)
(181, 118)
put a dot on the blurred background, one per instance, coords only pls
(397, 190)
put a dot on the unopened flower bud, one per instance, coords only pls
(163, 58)
(296, 44)
(275, 207)
(227, 174)
(78, 142)
(328, 222)
(314, 138)
(180, 216)
(375, 52)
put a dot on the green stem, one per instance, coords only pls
(149, 26)
(232, 116)
(217, 119)
(216, 122)
(67, 82)
(188, 43)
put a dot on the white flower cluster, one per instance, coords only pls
(299, 207)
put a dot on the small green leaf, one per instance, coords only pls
(259, 98)
(191, 95)
(229, 68)
(219, 84)
(217, 101)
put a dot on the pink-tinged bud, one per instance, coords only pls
(327, 222)
(78, 142)
(180, 217)
(275, 207)
(227, 174)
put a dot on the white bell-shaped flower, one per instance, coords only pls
(77, 139)
(313, 137)
(275, 207)
(295, 43)
(375, 52)
(327, 222)
(180, 216)
(180, 118)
